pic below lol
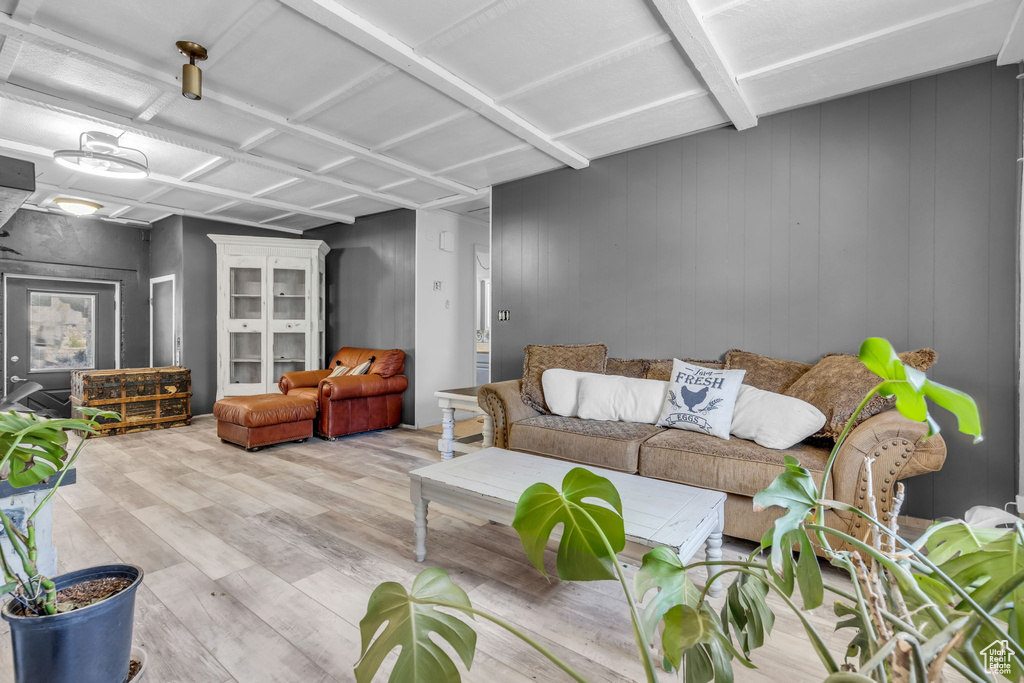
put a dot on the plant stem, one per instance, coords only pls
(641, 640)
(842, 438)
(514, 631)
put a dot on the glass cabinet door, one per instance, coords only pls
(245, 289)
(289, 293)
(246, 358)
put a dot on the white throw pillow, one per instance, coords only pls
(701, 399)
(773, 420)
(621, 399)
(562, 389)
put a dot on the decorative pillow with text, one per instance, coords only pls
(701, 399)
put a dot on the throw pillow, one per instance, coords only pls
(621, 399)
(701, 399)
(339, 370)
(537, 359)
(838, 382)
(562, 390)
(662, 369)
(361, 368)
(764, 372)
(773, 420)
(634, 367)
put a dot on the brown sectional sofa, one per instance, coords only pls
(894, 446)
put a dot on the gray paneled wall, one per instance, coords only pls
(889, 213)
(371, 288)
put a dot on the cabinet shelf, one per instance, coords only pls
(246, 360)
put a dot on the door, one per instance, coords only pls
(243, 346)
(163, 338)
(289, 288)
(53, 327)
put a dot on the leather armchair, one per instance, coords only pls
(360, 403)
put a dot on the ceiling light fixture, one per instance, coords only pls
(100, 154)
(191, 75)
(77, 207)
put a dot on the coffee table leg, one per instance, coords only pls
(446, 443)
(419, 508)
(714, 554)
(488, 431)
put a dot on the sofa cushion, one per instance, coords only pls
(310, 393)
(537, 359)
(627, 367)
(389, 362)
(613, 445)
(264, 410)
(764, 372)
(733, 466)
(838, 383)
(662, 369)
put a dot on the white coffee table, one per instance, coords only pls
(451, 400)
(488, 484)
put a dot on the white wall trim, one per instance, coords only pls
(174, 317)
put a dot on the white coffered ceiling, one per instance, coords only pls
(318, 111)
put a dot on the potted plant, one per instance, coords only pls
(947, 599)
(73, 628)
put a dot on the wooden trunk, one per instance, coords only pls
(146, 398)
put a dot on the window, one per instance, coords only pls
(61, 331)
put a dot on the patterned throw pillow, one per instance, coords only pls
(361, 368)
(764, 372)
(537, 359)
(662, 369)
(838, 382)
(339, 370)
(701, 399)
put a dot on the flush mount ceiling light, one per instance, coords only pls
(100, 154)
(77, 207)
(191, 75)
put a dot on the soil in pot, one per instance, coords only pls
(87, 593)
(133, 670)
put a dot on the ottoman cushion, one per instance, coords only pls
(264, 410)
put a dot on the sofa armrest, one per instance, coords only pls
(361, 386)
(896, 448)
(503, 401)
(303, 378)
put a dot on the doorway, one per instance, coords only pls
(55, 326)
(163, 336)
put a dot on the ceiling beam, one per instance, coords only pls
(41, 153)
(184, 138)
(9, 51)
(370, 37)
(162, 77)
(251, 20)
(623, 115)
(1012, 50)
(331, 99)
(687, 25)
(158, 207)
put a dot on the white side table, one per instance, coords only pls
(451, 400)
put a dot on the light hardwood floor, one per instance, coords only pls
(259, 565)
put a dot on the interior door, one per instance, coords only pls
(54, 327)
(163, 338)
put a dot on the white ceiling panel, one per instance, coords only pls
(520, 43)
(416, 22)
(359, 206)
(760, 32)
(147, 215)
(308, 194)
(248, 212)
(500, 169)
(390, 107)
(366, 174)
(116, 187)
(466, 138)
(298, 222)
(934, 46)
(286, 63)
(165, 158)
(144, 29)
(48, 70)
(242, 177)
(44, 128)
(659, 123)
(210, 120)
(631, 80)
(299, 151)
(190, 201)
(419, 191)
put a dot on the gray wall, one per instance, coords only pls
(371, 294)
(59, 246)
(889, 213)
(199, 302)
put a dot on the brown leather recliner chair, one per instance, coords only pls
(361, 403)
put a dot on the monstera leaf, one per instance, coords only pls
(662, 572)
(411, 618)
(911, 387)
(793, 490)
(36, 447)
(694, 642)
(582, 554)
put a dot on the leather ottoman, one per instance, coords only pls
(256, 421)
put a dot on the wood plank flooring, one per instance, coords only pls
(258, 566)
